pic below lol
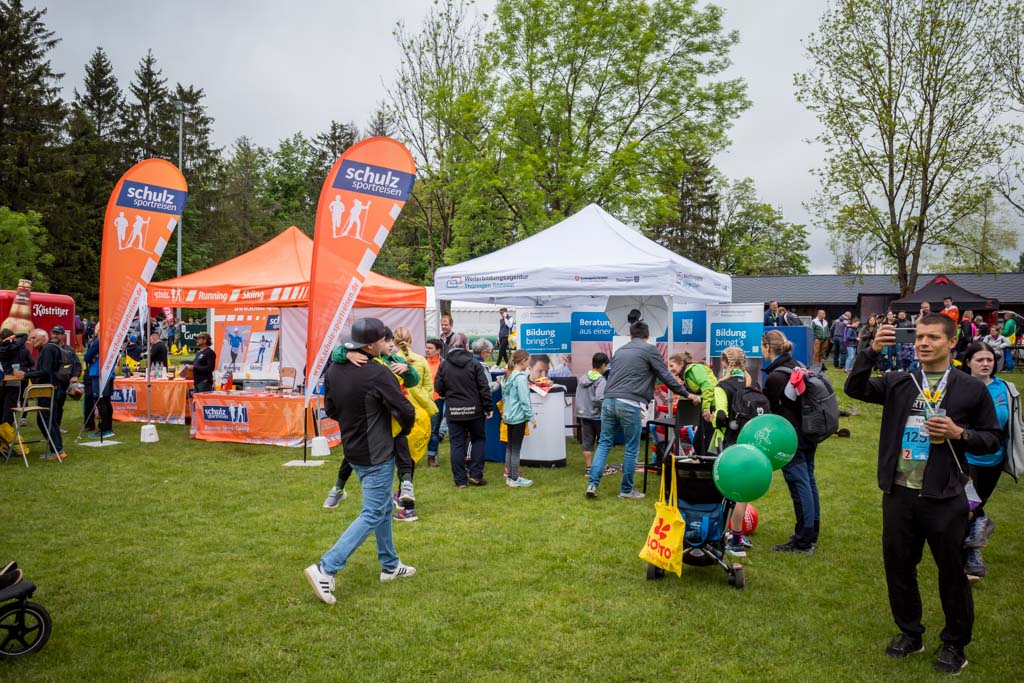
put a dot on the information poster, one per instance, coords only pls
(548, 330)
(739, 325)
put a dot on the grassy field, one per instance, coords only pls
(182, 561)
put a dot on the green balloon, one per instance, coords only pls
(773, 435)
(742, 473)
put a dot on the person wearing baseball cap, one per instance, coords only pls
(363, 399)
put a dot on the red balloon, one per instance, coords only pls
(749, 520)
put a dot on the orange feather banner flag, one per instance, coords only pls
(360, 200)
(142, 214)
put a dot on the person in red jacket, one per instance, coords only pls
(930, 419)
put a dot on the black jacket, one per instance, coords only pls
(204, 365)
(465, 386)
(775, 387)
(967, 403)
(363, 400)
(9, 354)
(158, 354)
(47, 363)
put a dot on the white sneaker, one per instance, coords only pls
(520, 483)
(405, 494)
(400, 572)
(335, 496)
(322, 583)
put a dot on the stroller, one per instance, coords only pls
(703, 508)
(24, 625)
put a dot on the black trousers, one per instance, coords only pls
(908, 521)
(471, 436)
(985, 480)
(11, 394)
(502, 351)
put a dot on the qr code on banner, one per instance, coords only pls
(687, 325)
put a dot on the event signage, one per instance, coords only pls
(143, 211)
(591, 326)
(545, 330)
(740, 325)
(361, 197)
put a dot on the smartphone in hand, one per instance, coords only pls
(906, 335)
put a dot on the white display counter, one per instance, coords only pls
(545, 445)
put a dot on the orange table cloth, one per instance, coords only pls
(259, 417)
(169, 402)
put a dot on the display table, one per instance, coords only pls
(260, 417)
(168, 400)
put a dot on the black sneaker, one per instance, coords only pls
(950, 659)
(904, 646)
(792, 547)
(477, 482)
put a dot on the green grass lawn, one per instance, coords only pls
(183, 560)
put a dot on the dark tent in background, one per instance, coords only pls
(938, 289)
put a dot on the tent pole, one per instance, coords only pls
(149, 376)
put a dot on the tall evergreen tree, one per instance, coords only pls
(687, 220)
(31, 111)
(149, 118)
(325, 149)
(101, 100)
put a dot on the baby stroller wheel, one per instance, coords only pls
(24, 628)
(737, 579)
(654, 573)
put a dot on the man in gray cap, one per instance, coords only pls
(365, 399)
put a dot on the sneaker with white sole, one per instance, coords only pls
(736, 549)
(334, 497)
(405, 493)
(518, 483)
(632, 495)
(322, 583)
(591, 491)
(406, 515)
(400, 572)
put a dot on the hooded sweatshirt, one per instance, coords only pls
(462, 381)
(589, 395)
(516, 394)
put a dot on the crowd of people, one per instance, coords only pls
(943, 439)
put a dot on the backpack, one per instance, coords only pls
(67, 368)
(746, 404)
(819, 408)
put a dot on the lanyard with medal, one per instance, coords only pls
(916, 441)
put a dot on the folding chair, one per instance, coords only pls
(287, 382)
(32, 392)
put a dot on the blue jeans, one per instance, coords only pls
(615, 415)
(851, 354)
(435, 429)
(375, 517)
(1008, 363)
(803, 489)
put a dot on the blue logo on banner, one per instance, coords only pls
(688, 326)
(546, 337)
(376, 180)
(232, 414)
(273, 322)
(591, 326)
(146, 197)
(122, 396)
(747, 336)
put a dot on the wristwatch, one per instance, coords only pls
(965, 434)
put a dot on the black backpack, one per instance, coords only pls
(745, 403)
(819, 407)
(68, 368)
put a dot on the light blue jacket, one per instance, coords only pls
(516, 395)
(1000, 394)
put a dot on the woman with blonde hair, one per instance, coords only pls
(799, 473)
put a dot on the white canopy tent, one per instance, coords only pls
(581, 261)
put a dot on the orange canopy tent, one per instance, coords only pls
(273, 274)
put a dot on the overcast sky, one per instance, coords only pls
(271, 68)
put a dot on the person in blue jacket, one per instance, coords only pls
(980, 360)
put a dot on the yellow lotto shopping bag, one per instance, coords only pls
(664, 546)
